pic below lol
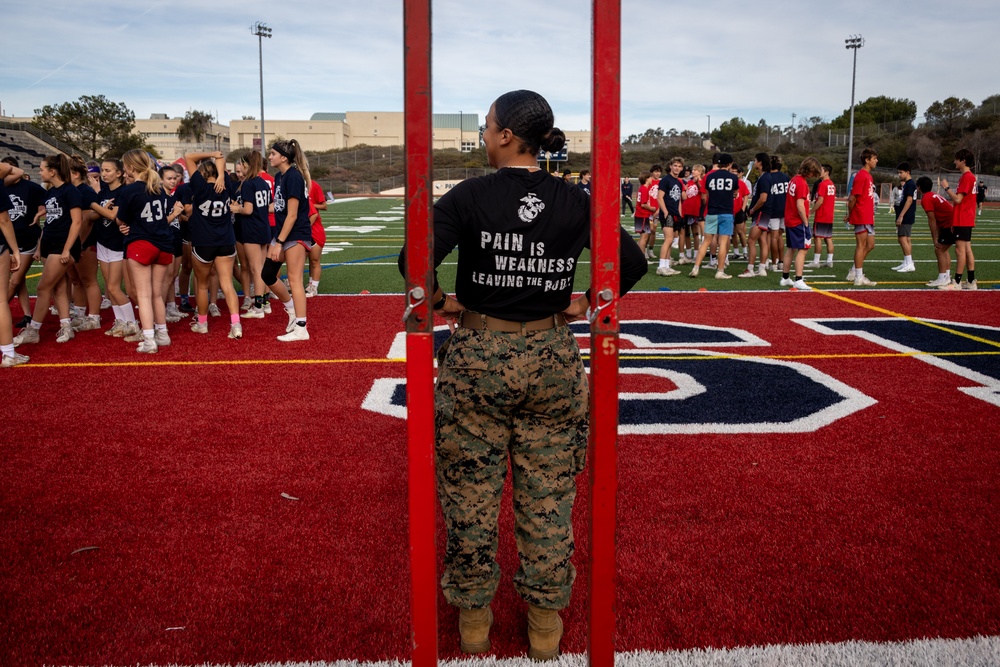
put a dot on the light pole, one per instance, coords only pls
(709, 116)
(853, 42)
(793, 127)
(461, 148)
(261, 31)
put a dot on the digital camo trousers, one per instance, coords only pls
(526, 397)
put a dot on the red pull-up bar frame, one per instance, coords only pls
(605, 241)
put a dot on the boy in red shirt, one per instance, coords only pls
(826, 197)
(861, 214)
(644, 208)
(797, 223)
(939, 216)
(691, 210)
(964, 199)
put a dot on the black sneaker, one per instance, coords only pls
(185, 307)
(23, 322)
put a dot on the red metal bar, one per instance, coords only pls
(605, 271)
(420, 329)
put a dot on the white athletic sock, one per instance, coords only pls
(314, 283)
(128, 313)
(829, 257)
(908, 260)
(942, 276)
(65, 323)
(117, 310)
(148, 334)
(859, 273)
(289, 306)
(159, 327)
(35, 325)
(664, 264)
(7, 350)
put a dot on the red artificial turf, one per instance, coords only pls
(881, 526)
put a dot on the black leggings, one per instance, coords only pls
(627, 201)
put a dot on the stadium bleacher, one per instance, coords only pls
(27, 148)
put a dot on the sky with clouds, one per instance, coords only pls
(681, 61)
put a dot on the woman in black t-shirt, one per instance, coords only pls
(511, 384)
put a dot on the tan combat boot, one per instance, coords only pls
(545, 629)
(474, 629)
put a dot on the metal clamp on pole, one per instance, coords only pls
(606, 295)
(414, 298)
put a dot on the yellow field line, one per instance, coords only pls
(624, 356)
(915, 320)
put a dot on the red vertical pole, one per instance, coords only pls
(604, 287)
(420, 330)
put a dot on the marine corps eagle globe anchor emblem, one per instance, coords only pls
(531, 208)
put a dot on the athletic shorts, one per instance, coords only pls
(774, 224)
(690, 220)
(178, 245)
(27, 239)
(238, 228)
(798, 237)
(677, 223)
(963, 234)
(740, 218)
(109, 255)
(721, 224)
(861, 229)
(318, 234)
(904, 230)
(823, 230)
(56, 248)
(642, 225)
(275, 230)
(147, 254)
(946, 236)
(206, 254)
(186, 231)
(291, 244)
(4, 248)
(762, 221)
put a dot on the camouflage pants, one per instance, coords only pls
(522, 396)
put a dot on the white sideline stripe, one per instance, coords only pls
(916, 653)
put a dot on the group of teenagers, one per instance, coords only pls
(150, 228)
(715, 207)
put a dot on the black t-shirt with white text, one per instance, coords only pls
(519, 235)
(721, 186)
(671, 188)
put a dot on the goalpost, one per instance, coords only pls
(418, 317)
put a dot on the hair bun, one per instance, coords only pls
(553, 141)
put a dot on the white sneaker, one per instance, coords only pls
(199, 327)
(749, 273)
(666, 271)
(767, 265)
(28, 335)
(77, 321)
(862, 281)
(850, 275)
(683, 260)
(161, 338)
(694, 273)
(128, 330)
(761, 272)
(89, 323)
(829, 264)
(253, 314)
(247, 303)
(900, 267)
(297, 333)
(939, 281)
(779, 266)
(950, 286)
(801, 285)
(785, 282)
(722, 275)
(174, 313)
(909, 268)
(813, 264)
(236, 330)
(213, 310)
(311, 291)
(291, 321)
(650, 254)
(267, 307)
(66, 334)
(970, 286)
(713, 263)
(105, 303)
(9, 361)
(147, 346)
(54, 311)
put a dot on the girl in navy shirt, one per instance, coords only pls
(294, 236)
(59, 248)
(86, 291)
(251, 209)
(10, 260)
(213, 239)
(143, 215)
(111, 248)
(30, 208)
